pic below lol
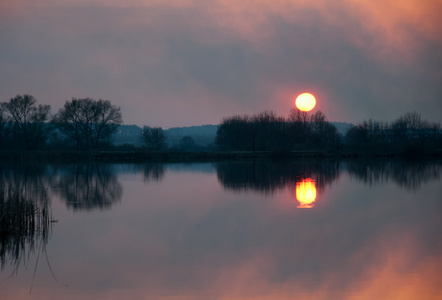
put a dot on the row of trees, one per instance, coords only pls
(408, 133)
(80, 123)
(89, 124)
(268, 132)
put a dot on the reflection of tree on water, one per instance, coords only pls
(269, 176)
(88, 186)
(25, 227)
(29, 181)
(25, 216)
(407, 174)
(152, 172)
(24, 210)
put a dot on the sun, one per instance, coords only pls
(305, 102)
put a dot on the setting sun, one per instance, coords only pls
(305, 102)
(306, 193)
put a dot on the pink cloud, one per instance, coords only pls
(200, 61)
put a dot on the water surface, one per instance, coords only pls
(231, 230)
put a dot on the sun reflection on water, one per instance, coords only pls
(306, 193)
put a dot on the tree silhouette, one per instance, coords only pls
(153, 137)
(235, 133)
(29, 120)
(408, 135)
(87, 122)
(412, 129)
(323, 134)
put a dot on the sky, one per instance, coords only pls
(193, 62)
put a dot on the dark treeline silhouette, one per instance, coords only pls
(80, 124)
(409, 134)
(24, 123)
(89, 124)
(268, 132)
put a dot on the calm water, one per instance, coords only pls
(241, 230)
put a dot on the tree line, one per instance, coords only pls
(81, 124)
(268, 132)
(409, 134)
(86, 123)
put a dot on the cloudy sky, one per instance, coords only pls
(193, 62)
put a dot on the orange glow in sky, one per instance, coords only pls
(305, 102)
(306, 193)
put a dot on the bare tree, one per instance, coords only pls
(369, 134)
(71, 120)
(29, 120)
(409, 127)
(87, 122)
(411, 130)
(108, 118)
(153, 137)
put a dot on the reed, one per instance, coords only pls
(23, 225)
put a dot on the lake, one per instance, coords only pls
(259, 229)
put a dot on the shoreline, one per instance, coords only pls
(173, 156)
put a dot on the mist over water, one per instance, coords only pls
(229, 230)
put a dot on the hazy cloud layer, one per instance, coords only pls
(176, 63)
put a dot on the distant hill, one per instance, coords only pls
(203, 130)
(203, 135)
